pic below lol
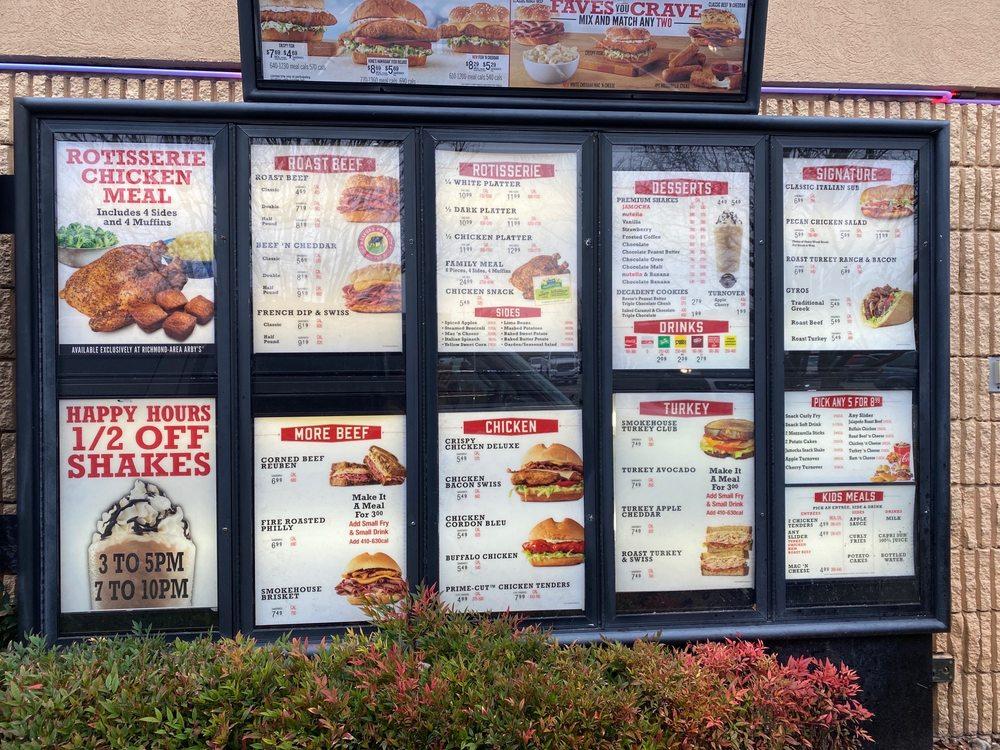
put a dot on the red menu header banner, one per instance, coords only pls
(510, 426)
(682, 188)
(846, 173)
(681, 326)
(686, 408)
(330, 433)
(847, 401)
(505, 170)
(323, 163)
(848, 497)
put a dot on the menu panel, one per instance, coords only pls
(849, 532)
(330, 516)
(327, 270)
(137, 510)
(684, 491)
(849, 254)
(507, 262)
(681, 270)
(848, 436)
(135, 242)
(511, 522)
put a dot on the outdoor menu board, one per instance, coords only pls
(849, 240)
(510, 527)
(684, 491)
(681, 270)
(330, 516)
(135, 243)
(507, 262)
(848, 436)
(692, 48)
(137, 488)
(327, 275)
(849, 532)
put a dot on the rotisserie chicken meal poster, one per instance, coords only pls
(329, 517)
(508, 267)
(137, 504)
(849, 239)
(327, 250)
(135, 241)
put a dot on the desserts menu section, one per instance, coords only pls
(681, 270)
(330, 517)
(137, 489)
(849, 532)
(849, 254)
(848, 436)
(327, 273)
(507, 262)
(510, 528)
(684, 491)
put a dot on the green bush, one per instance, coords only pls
(427, 678)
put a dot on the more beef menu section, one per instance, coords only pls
(327, 273)
(511, 521)
(684, 491)
(507, 261)
(849, 254)
(849, 532)
(681, 270)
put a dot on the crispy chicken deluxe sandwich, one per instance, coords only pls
(549, 473)
(554, 543)
(372, 578)
(389, 28)
(294, 21)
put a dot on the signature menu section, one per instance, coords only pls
(330, 517)
(327, 273)
(510, 527)
(507, 261)
(684, 491)
(849, 532)
(135, 243)
(681, 270)
(137, 488)
(849, 254)
(848, 437)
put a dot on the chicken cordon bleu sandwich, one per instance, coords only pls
(554, 543)
(375, 289)
(627, 45)
(389, 28)
(533, 25)
(480, 29)
(549, 473)
(294, 21)
(372, 579)
(369, 198)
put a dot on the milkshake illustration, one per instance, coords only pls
(728, 243)
(141, 555)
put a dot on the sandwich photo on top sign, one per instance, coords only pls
(695, 48)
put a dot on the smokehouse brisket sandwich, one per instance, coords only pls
(372, 578)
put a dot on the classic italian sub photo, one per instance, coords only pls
(887, 201)
(549, 473)
(554, 543)
(372, 578)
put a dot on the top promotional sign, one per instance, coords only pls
(705, 54)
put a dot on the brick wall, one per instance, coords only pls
(968, 707)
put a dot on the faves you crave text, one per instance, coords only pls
(131, 441)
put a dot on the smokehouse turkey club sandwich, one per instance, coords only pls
(389, 28)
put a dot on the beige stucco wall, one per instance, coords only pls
(916, 42)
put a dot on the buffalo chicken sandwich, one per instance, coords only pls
(533, 25)
(627, 45)
(389, 28)
(294, 21)
(728, 438)
(554, 543)
(375, 289)
(887, 201)
(481, 29)
(719, 28)
(549, 473)
(372, 579)
(370, 198)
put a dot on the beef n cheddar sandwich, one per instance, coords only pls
(533, 25)
(719, 28)
(554, 543)
(372, 579)
(549, 473)
(887, 201)
(389, 28)
(627, 45)
(374, 289)
(481, 29)
(728, 438)
(370, 198)
(294, 21)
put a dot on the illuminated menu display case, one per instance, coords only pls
(621, 375)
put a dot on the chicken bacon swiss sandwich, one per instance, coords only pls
(389, 28)
(294, 21)
(554, 543)
(372, 579)
(549, 473)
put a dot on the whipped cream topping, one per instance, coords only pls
(143, 511)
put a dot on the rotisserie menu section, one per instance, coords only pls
(681, 270)
(508, 269)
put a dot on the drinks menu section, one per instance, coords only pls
(849, 254)
(684, 491)
(330, 517)
(511, 523)
(849, 532)
(681, 270)
(507, 261)
(848, 437)
(327, 270)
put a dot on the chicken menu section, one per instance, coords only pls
(849, 532)
(510, 528)
(684, 491)
(330, 517)
(849, 240)
(327, 273)
(681, 270)
(507, 262)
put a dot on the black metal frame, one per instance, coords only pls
(258, 89)
(36, 363)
